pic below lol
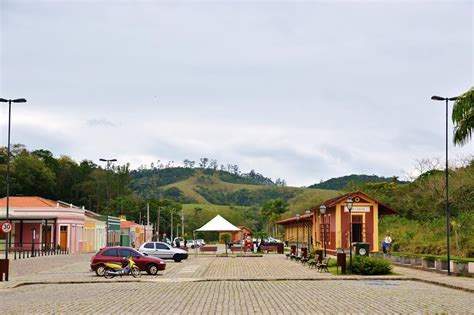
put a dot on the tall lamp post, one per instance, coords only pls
(18, 100)
(349, 204)
(308, 212)
(109, 162)
(297, 232)
(446, 99)
(322, 209)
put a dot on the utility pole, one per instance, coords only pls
(182, 223)
(158, 225)
(147, 214)
(171, 226)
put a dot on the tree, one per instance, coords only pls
(463, 118)
(213, 164)
(203, 163)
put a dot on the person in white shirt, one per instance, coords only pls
(387, 242)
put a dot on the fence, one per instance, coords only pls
(19, 252)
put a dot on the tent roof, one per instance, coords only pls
(218, 224)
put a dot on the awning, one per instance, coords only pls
(218, 224)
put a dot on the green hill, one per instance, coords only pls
(212, 187)
(343, 182)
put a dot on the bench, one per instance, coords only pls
(268, 248)
(208, 249)
(323, 266)
(234, 249)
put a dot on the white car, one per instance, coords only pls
(192, 244)
(201, 242)
(163, 251)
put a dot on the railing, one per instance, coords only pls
(36, 250)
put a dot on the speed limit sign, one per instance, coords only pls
(6, 227)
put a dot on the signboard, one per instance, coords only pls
(7, 227)
(358, 209)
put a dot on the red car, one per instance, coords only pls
(117, 253)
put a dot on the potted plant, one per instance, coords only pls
(428, 262)
(461, 266)
(441, 264)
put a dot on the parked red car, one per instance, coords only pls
(117, 253)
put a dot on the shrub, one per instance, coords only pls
(429, 258)
(370, 266)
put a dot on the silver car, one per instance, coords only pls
(163, 251)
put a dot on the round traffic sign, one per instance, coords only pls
(6, 227)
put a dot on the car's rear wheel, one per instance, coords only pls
(100, 270)
(152, 269)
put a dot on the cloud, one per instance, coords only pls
(100, 122)
(300, 91)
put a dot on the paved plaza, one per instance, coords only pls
(261, 285)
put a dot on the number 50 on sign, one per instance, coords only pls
(6, 227)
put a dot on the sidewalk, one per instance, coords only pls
(460, 283)
(75, 269)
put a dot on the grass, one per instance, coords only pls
(305, 197)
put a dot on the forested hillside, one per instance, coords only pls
(246, 199)
(201, 191)
(421, 226)
(344, 181)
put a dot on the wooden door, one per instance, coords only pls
(357, 222)
(63, 237)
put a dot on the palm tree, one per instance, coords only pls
(463, 118)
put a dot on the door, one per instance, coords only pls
(148, 248)
(63, 237)
(109, 255)
(125, 253)
(357, 228)
(163, 251)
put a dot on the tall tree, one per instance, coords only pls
(463, 117)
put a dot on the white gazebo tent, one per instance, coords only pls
(218, 224)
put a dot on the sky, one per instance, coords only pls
(304, 91)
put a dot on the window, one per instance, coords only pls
(162, 246)
(128, 253)
(110, 253)
(149, 246)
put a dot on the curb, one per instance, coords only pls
(177, 280)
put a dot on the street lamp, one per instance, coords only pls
(308, 212)
(297, 232)
(18, 100)
(349, 204)
(322, 209)
(446, 99)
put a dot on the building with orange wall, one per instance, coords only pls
(332, 229)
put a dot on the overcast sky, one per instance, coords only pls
(303, 90)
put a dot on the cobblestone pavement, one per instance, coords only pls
(229, 297)
(209, 284)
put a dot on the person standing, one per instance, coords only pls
(387, 243)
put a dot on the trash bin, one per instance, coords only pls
(280, 248)
(362, 249)
(341, 261)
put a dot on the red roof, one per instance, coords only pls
(383, 208)
(128, 224)
(303, 218)
(30, 202)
